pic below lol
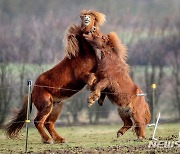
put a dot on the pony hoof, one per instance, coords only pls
(60, 140)
(49, 141)
(119, 135)
(100, 102)
(140, 138)
(90, 104)
(97, 95)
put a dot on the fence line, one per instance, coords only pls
(85, 123)
(82, 123)
(82, 91)
(68, 89)
(14, 86)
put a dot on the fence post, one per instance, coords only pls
(29, 83)
(155, 127)
(153, 103)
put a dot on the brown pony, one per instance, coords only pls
(53, 86)
(113, 75)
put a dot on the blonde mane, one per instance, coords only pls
(71, 45)
(119, 48)
(100, 18)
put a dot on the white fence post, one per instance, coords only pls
(155, 126)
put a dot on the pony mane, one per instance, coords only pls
(119, 48)
(99, 17)
(71, 44)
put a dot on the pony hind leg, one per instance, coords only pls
(139, 124)
(44, 109)
(141, 117)
(127, 122)
(140, 130)
(50, 121)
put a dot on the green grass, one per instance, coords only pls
(86, 138)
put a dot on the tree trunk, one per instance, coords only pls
(75, 118)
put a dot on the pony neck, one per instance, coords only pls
(85, 48)
(89, 29)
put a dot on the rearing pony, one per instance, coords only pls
(53, 86)
(113, 75)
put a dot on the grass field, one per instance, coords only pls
(92, 139)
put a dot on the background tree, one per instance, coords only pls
(6, 76)
(31, 37)
(75, 105)
(174, 54)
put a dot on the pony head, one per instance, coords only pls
(97, 40)
(107, 43)
(91, 20)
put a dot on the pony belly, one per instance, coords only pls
(125, 110)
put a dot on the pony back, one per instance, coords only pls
(118, 46)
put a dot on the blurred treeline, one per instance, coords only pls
(31, 41)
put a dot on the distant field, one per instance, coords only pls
(92, 139)
(36, 69)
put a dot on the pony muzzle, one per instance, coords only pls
(86, 19)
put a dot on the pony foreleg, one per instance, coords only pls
(50, 121)
(102, 98)
(91, 80)
(94, 95)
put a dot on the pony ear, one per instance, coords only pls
(71, 44)
(83, 12)
(100, 17)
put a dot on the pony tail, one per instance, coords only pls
(14, 126)
(71, 44)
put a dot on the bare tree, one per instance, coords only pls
(176, 76)
(5, 80)
(75, 105)
(174, 46)
(151, 53)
